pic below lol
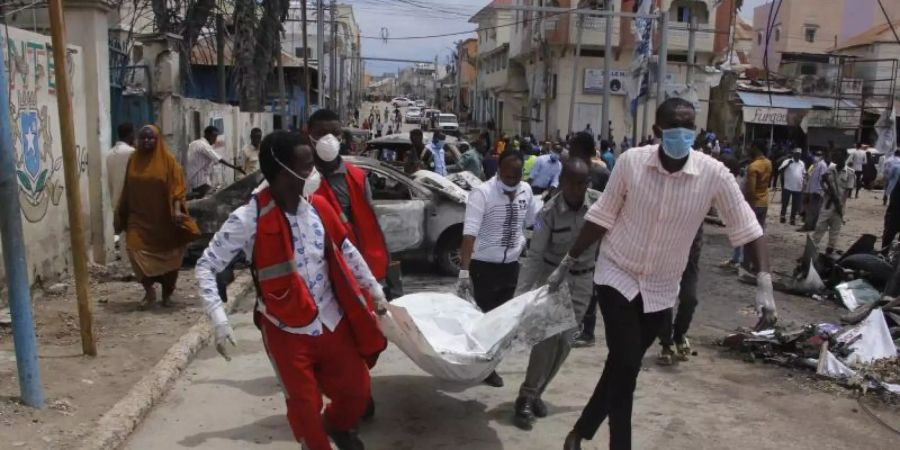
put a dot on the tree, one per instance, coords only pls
(257, 44)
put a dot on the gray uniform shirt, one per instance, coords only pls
(338, 182)
(556, 228)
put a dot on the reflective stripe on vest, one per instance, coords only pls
(278, 270)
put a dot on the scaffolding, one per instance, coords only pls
(865, 89)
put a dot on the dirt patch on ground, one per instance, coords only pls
(79, 389)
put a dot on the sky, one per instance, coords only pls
(404, 18)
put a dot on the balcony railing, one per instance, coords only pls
(679, 37)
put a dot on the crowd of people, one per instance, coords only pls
(623, 231)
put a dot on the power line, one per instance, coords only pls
(890, 24)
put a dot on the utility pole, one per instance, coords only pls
(575, 57)
(662, 58)
(340, 91)
(14, 260)
(307, 92)
(70, 172)
(607, 54)
(332, 82)
(691, 56)
(220, 58)
(282, 94)
(320, 50)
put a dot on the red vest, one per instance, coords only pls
(283, 291)
(363, 228)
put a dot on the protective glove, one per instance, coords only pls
(560, 274)
(464, 286)
(380, 301)
(224, 335)
(765, 301)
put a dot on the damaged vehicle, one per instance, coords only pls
(421, 215)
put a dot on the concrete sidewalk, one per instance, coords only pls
(709, 403)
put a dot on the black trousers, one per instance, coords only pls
(629, 332)
(792, 198)
(671, 332)
(493, 283)
(589, 323)
(859, 181)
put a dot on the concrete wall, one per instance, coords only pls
(38, 149)
(791, 21)
(182, 120)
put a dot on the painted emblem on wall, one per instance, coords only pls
(36, 169)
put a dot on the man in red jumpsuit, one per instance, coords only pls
(316, 294)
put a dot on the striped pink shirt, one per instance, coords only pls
(652, 216)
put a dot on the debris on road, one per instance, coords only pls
(861, 354)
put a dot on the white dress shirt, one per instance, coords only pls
(116, 169)
(497, 222)
(239, 234)
(793, 173)
(651, 217)
(201, 158)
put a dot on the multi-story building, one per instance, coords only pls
(493, 103)
(348, 76)
(800, 27)
(466, 54)
(526, 70)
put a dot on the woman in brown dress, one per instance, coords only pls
(153, 214)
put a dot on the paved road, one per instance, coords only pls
(712, 402)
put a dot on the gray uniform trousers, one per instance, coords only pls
(548, 356)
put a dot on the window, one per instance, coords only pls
(809, 33)
(386, 188)
(778, 33)
(684, 14)
(759, 38)
(807, 69)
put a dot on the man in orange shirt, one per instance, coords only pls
(759, 176)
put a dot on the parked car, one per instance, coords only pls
(401, 101)
(421, 215)
(413, 115)
(448, 124)
(420, 103)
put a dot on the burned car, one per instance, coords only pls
(421, 215)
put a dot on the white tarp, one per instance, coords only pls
(871, 340)
(448, 337)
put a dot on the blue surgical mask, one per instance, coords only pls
(677, 142)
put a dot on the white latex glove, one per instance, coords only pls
(561, 273)
(765, 301)
(464, 286)
(380, 301)
(224, 335)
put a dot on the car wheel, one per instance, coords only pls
(447, 254)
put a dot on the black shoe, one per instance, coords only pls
(582, 340)
(793, 222)
(370, 410)
(346, 440)
(524, 416)
(573, 441)
(783, 220)
(539, 408)
(494, 380)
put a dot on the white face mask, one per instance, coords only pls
(508, 189)
(311, 183)
(328, 148)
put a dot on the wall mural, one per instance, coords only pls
(38, 170)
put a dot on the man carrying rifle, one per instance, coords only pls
(837, 184)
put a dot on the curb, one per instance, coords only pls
(117, 424)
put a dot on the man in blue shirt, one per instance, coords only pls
(545, 172)
(606, 154)
(436, 151)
